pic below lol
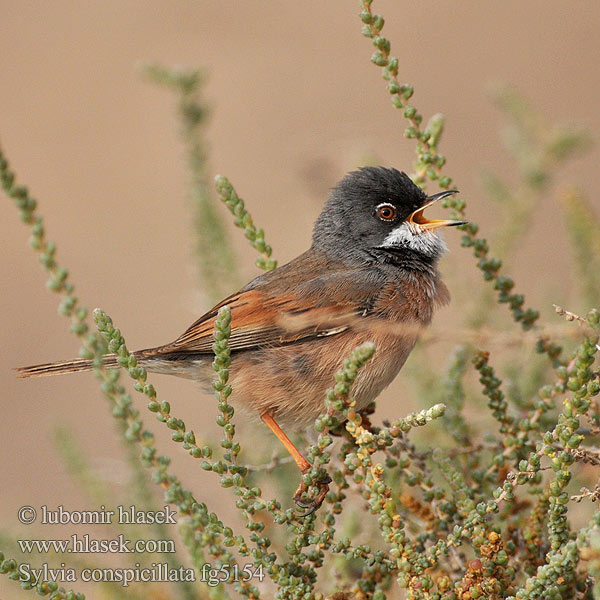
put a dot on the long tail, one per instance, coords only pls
(65, 366)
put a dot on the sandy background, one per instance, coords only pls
(295, 103)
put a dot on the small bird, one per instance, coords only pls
(369, 275)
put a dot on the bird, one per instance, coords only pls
(370, 275)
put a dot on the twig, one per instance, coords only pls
(276, 460)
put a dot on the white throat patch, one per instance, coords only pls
(410, 235)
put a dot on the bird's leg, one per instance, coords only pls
(303, 465)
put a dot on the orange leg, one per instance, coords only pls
(303, 465)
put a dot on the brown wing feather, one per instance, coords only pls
(260, 320)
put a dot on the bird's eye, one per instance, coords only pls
(386, 212)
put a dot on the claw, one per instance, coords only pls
(310, 511)
(300, 503)
(316, 502)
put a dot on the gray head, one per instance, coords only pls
(374, 211)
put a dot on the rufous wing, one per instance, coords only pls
(259, 320)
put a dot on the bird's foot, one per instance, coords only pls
(313, 504)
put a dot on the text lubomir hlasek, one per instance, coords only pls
(124, 515)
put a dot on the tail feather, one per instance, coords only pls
(65, 366)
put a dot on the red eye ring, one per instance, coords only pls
(386, 212)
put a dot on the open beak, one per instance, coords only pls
(424, 224)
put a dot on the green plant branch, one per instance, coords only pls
(243, 220)
(429, 167)
(214, 253)
(93, 348)
(583, 227)
(11, 568)
(539, 150)
(208, 531)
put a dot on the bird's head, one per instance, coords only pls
(380, 209)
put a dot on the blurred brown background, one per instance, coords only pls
(295, 103)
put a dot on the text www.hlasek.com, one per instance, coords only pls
(86, 544)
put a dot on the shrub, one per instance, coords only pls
(474, 509)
